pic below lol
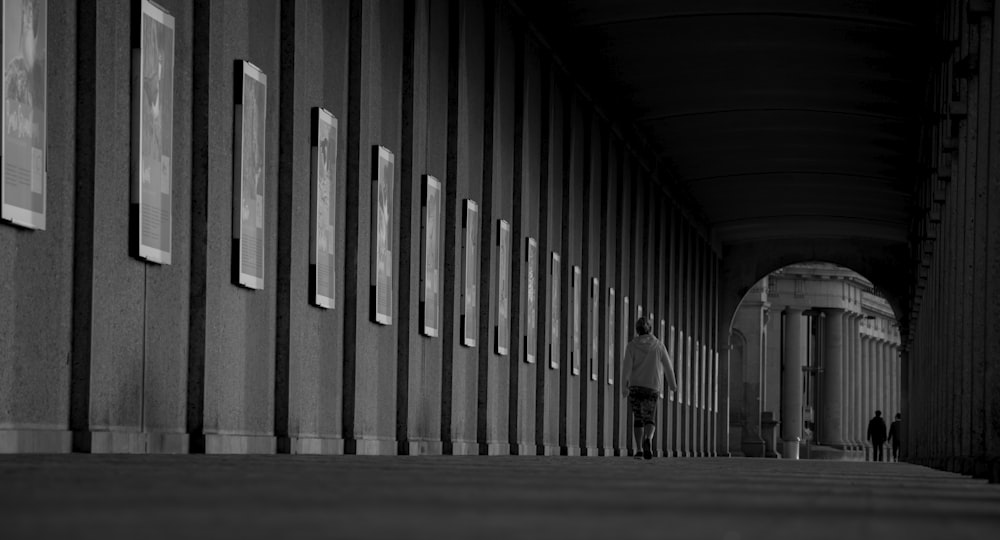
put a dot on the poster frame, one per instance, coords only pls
(430, 260)
(14, 214)
(243, 278)
(318, 230)
(382, 193)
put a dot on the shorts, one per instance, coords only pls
(643, 402)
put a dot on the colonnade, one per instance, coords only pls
(859, 372)
(515, 240)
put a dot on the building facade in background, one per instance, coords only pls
(815, 352)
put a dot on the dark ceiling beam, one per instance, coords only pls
(832, 17)
(840, 174)
(737, 110)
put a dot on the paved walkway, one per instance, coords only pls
(479, 498)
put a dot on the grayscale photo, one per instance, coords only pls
(500, 269)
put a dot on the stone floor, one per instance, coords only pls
(277, 497)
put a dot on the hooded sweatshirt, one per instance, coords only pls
(646, 363)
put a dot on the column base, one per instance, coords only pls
(790, 449)
(370, 447)
(213, 443)
(35, 441)
(311, 445)
(494, 448)
(460, 448)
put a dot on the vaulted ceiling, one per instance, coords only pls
(783, 119)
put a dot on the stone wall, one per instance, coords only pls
(103, 352)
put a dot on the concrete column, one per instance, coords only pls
(897, 376)
(883, 386)
(851, 358)
(866, 403)
(696, 409)
(897, 379)
(717, 417)
(845, 390)
(791, 383)
(857, 415)
(833, 362)
(689, 398)
(705, 403)
(878, 403)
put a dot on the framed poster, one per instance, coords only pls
(556, 313)
(626, 323)
(470, 274)
(594, 353)
(323, 256)
(672, 350)
(152, 134)
(575, 351)
(430, 257)
(531, 326)
(611, 335)
(503, 288)
(383, 186)
(248, 175)
(23, 189)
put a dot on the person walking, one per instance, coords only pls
(894, 436)
(646, 364)
(876, 434)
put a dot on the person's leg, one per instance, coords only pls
(634, 404)
(649, 423)
(647, 440)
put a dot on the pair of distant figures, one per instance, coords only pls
(878, 436)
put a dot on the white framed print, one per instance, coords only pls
(594, 351)
(611, 336)
(383, 188)
(23, 151)
(470, 273)
(152, 135)
(503, 288)
(575, 338)
(249, 171)
(531, 325)
(430, 257)
(555, 317)
(323, 187)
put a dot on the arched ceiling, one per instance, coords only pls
(783, 119)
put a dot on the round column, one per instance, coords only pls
(791, 383)
(897, 378)
(831, 421)
(866, 385)
(845, 384)
(883, 379)
(855, 356)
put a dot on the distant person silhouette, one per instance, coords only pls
(894, 436)
(876, 434)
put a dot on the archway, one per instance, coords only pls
(813, 351)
